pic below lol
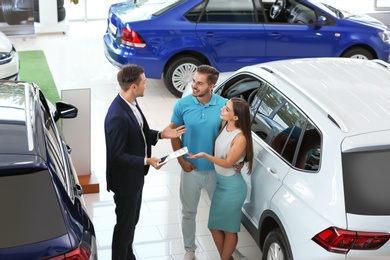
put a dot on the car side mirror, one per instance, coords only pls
(65, 110)
(321, 21)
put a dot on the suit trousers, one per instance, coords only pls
(127, 212)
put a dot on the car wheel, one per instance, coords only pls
(60, 4)
(12, 15)
(358, 53)
(178, 73)
(275, 248)
(61, 13)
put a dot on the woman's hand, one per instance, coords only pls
(196, 156)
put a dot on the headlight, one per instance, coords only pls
(385, 36)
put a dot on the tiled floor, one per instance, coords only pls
(77, 61)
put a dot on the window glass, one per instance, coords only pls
(287, 136)
(265, 123)
(33, 214)
(229, 11)
(194, 13)
(366, 181)
(286, 129)
(309, 154)
(54, 144)
(293, 13)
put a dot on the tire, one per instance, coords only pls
(179, 73)
(358, 53)
(12, 16)
(36, 5)
(60, 4)
(61, 13)
(275, 247)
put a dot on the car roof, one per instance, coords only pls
(354, 93)
(19, 120)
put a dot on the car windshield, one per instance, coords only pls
(30, 210)
(339, 12)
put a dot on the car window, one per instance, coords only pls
(285, 128)
(157, 7)
(193, 14)
(309, 153)
(266, 122)
(33, 214)
(242, 86)
(293, 13)
(228, 11)
(54, 145)
(277, 121)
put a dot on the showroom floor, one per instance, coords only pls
(77, 61)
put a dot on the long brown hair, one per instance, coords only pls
(241, 110)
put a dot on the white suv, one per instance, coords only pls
(9, 59)
(320, 185)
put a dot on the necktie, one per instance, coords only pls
(138, 115)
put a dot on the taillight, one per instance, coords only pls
(80, 253)
(131, 38)
(341, 241)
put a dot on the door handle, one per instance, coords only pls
(272, 170)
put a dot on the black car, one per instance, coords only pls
(43, 214)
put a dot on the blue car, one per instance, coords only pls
(43, 213)
(170, 38)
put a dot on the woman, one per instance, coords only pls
(233, 144)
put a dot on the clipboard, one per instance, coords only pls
(173, 155)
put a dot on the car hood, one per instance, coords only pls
(367, 20)
(5, 43)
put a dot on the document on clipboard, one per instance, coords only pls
(173, 155)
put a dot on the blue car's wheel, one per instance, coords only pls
(358, 53)
(179, 73)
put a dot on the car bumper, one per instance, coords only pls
(119, 56)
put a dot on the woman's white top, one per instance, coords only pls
(222, 149)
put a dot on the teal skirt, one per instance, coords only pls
(226, 204)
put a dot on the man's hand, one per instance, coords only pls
(187, 166)
(238, 166)
(169, 132)
(153, 161)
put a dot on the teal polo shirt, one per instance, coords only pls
(202, 123)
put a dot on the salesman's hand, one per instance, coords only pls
(153, 161)
(169, 132)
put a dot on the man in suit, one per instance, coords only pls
(128, 152)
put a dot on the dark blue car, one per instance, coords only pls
(170, 38)
(43, 215)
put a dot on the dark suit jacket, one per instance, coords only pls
(125, 148)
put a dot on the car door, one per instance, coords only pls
(297, 34)
(269, 169)
(232, 33)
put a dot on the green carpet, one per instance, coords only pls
(34, 68)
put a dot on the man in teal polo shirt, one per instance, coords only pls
(200, 113)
